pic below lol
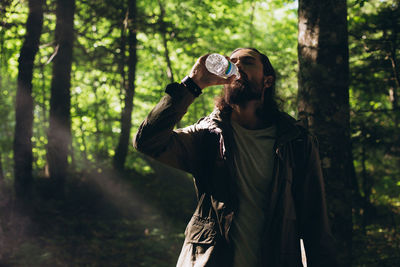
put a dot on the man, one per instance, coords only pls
(257, 172)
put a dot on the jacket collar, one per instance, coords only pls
(287, 130)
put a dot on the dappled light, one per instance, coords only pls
(105, 214)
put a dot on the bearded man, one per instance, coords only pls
(257, 171)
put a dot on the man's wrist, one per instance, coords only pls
(198, 81)
(192, 86)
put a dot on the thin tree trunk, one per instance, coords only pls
(1, 170)
(367, 189)
(59, 133)
(122, 58)
(3, 62)
(251, 23)
(24, 102)
(393, 60)
(83, 140)
(98, 131)
(126, 116)
(324, 105)
(163, 30)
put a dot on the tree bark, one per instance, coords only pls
(394, 62)
(126, 116)
(24, 102)
(1, 170)
(163, 32)
(122, 58)
(367, 184)
(324, 105)
(59, 133)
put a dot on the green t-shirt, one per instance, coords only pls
(254, 162)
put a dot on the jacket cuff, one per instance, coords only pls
(191, 86)
(178, 90)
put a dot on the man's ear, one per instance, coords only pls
(268, 81)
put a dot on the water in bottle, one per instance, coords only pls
(219, 65)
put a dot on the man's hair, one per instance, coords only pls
(270, 105)
(268, 69)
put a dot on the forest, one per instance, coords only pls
(77, 77)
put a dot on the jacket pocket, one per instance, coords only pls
(198, 249)
(201, 231)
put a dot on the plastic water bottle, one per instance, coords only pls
(219, 65)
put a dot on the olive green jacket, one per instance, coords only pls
(297, 200)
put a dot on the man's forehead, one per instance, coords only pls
(245, 53)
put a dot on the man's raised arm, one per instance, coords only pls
(156, 136)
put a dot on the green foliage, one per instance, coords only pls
(193, 28)
(375, 114)
(12, 30)
(374, 44)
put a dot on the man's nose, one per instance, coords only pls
(238, 65)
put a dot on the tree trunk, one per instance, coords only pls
(122, 58)
(324, 105)
(393, 91)
(1, 170)
(393, 60)
(367, 184)
(59, 133)
(24, 102)
(163, 32)
(126, 116)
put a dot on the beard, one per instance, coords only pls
(240, 92)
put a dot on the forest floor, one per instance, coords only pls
(134, 219)
(105, 219)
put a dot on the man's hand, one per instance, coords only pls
(203, 78)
